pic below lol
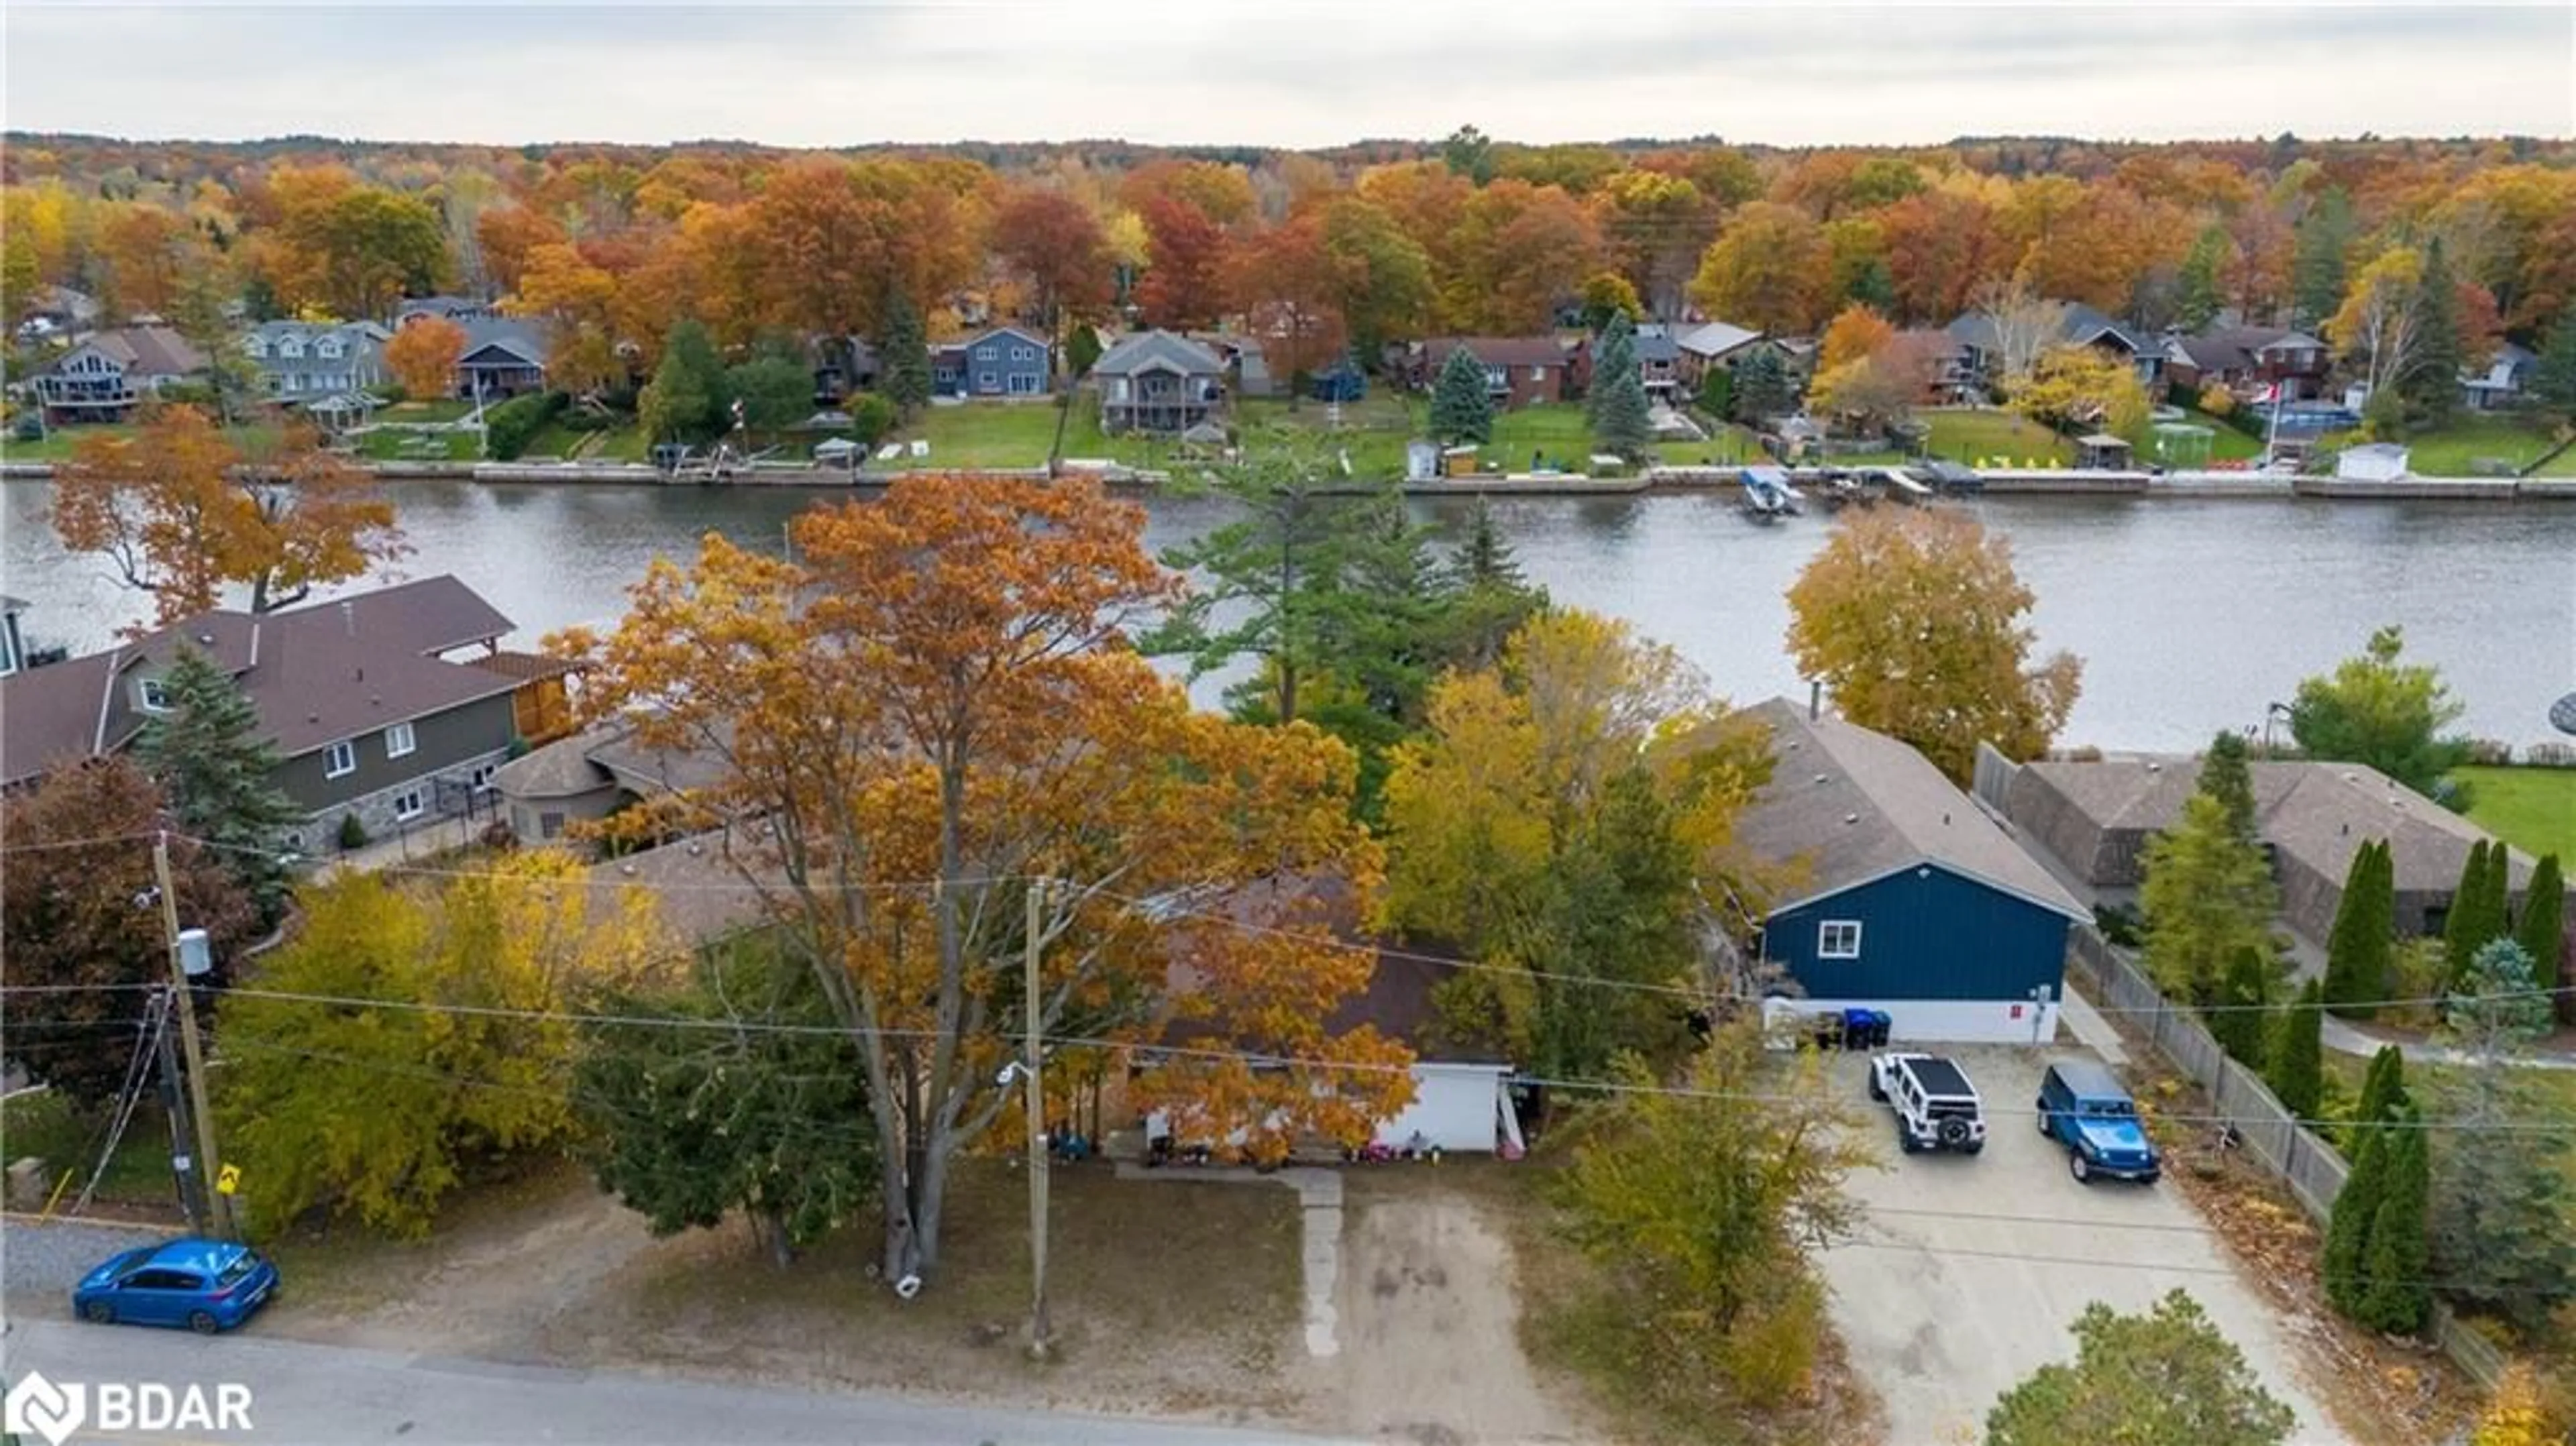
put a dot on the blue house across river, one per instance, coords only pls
(1904, 895)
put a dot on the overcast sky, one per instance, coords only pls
(1285, 72)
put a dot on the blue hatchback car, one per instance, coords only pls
(205, 1285)
(2083, 1107)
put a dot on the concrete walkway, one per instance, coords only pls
(1319, 1200)
(2091, 1029)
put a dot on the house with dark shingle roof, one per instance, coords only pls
(2248, 359)
(2096, 818)
(1519, 370)
(503, 357)
(1903, 894)
(109, 373)
(1156, 381)
(395, 705)
(2077, 325)
(303, 361)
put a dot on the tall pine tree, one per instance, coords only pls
(2357, 954)
(2431, 385)
(2553, 379)
(1762, 389)
(2543, 925)
(2356, 1210)
(2199, 288)
(2241, 1023)
(2227, 777)
(1617, 403)
(2317, 262)
(208, 754)
(1462, 410)
(2471, 924)
(903, 354)
(2294, 1066)
(2395, 1296)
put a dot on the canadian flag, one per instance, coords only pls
(2271, 393)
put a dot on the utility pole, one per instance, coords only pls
(209, 1165)
(1038, 1331)
(174, 1102)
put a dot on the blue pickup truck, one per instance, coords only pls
(2083, 1108)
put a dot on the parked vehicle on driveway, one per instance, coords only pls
(205, 1285)
(2083, 1107)
(1936, 1107)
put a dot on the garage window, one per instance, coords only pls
(1838, 939)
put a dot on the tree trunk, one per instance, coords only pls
(770, 1226)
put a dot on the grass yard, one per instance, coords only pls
(2534, 809)
(385, 444)
(2455, 450)
(2226, 444)
(436, 409)
(1973, 436)
(47, 1126)
(990, 434)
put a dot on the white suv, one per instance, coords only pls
(1936, 1107)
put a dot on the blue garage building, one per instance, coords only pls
(1901, 894)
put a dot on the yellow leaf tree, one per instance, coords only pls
(2082, 386)
(1769, 268)
(379, 1110)
(934, 714)
(1913, 621)
(1555, 819)
(181, 514)
(2376, 326)
(1856, 334)
(2516, 1417)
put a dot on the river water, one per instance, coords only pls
(2190, 615)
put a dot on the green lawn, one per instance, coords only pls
(388, 445)
(46, 1126)
(1974, 436)
(439, 409)
(2454, 450)
(2226, 444)
(2534, 809)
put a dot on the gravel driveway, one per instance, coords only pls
(1944, 1308)
(54, 1256)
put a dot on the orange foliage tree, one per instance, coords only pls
(932, 715)
(422, 356)
(1769, 269)
(1856, 334)
(1289, 283)
(180, 514)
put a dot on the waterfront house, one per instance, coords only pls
(302, 362)
(1659, 362)
(2247, 360)
(396, 706)
(107, 374)
(1906, 896)
(2095, 819)
(1711, 344)
(586, 776)
(2077, 325)
(503, 357)
(2499, 383)
(1003, 362)
(1520, 371)
(1158, 382)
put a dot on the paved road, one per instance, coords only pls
(334, 1396)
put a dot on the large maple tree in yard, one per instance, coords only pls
(182, 514)
(1913, 621)
(934, 707)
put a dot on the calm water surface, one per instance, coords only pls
(2189, 615)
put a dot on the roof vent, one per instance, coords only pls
(2154, 767)
(208, 639)
(1851, 818)
(627, 869)
(1945, 818)
(2352, 778)
(1824, 778)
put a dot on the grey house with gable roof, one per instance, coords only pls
(1159, 382)
(303, 361)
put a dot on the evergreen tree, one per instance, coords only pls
(2553, 379)
(2383, 1087)
(2241, 1023)
(685, 401)
(1462, 410)
(1762, 389)
(2207, 894)
(2225, 776)
(2466, 928)
(2294, 1066)
(2431, 384)
(2501, 1193)
(1488, 598)
(1717, 393)
(2317, 262)
(1872, 285)
(2199, 291)
(209, 756)
(2395, 1296)
(903, 354)
(2356, 1210)
(2542, 928)
(1617, 404)
(2357, 954)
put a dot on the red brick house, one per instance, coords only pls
(1519, 370)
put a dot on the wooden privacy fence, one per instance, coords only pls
(2289, 1150)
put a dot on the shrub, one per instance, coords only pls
(871, 417)
(353, 834)
(392, 394)
(2120, 924)
(2216, 400)
(510, 426)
